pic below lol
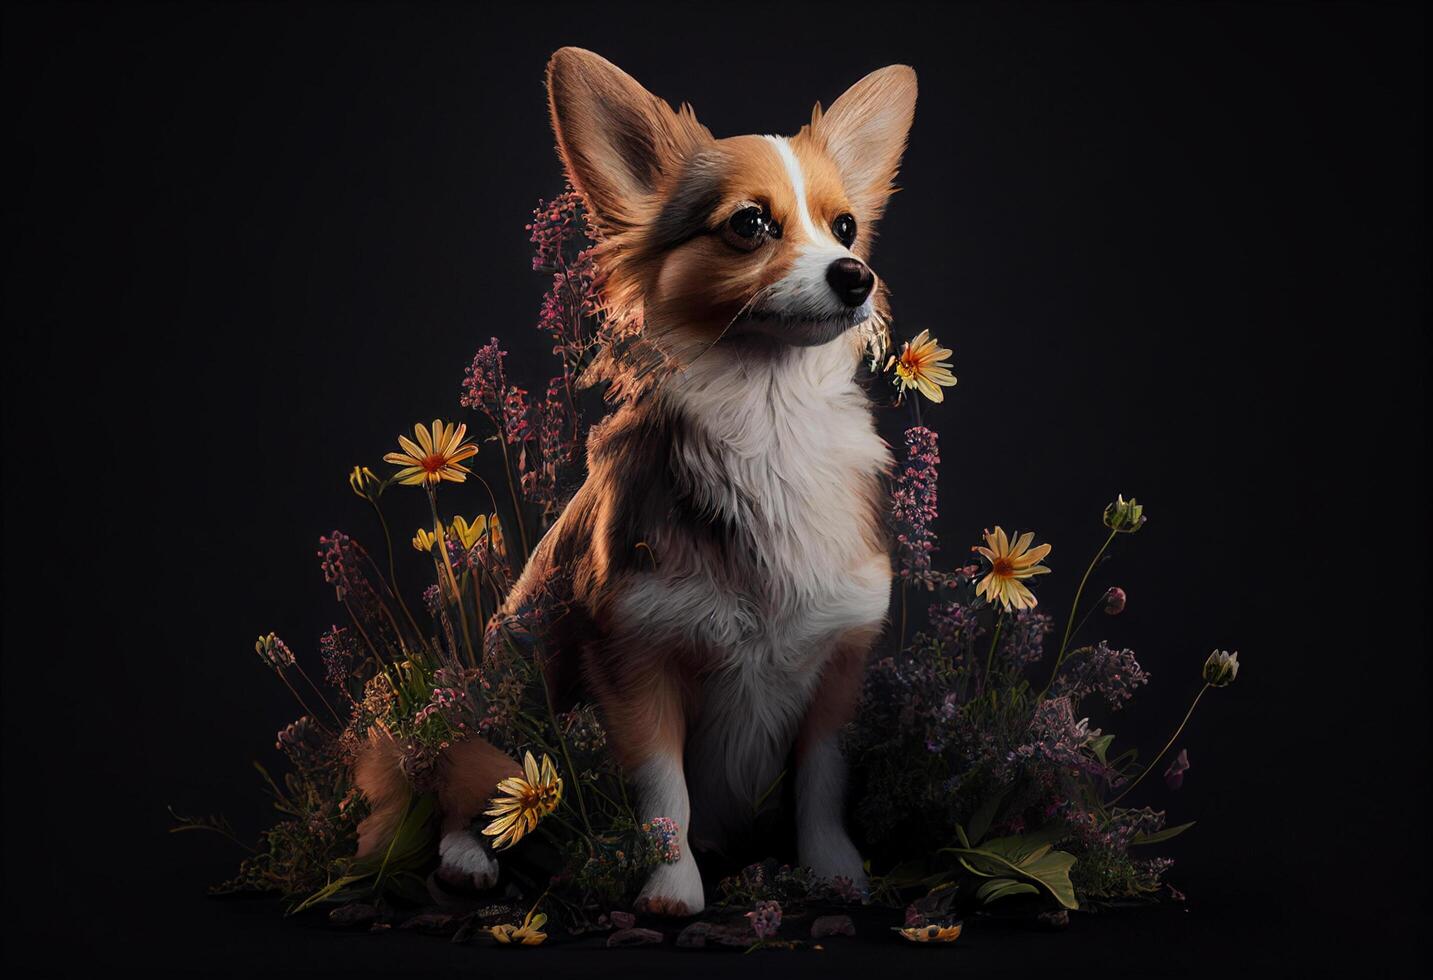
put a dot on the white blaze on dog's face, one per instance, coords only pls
(708, 237)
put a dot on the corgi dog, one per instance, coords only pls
(724, 570)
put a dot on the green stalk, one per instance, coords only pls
(512, 492)
(1074, 608)
(1167, 746)
(990, 654)
(299, 698)
(562, 746)
(393, 569)
(304, 674)
(441, 544)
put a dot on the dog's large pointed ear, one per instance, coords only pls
(865, 133)
(618, 141)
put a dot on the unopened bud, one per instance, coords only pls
(1125, 516)
(1221, 668)
(1115, 599)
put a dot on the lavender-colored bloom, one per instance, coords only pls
(913, 505)
(339, 651)
(451, 704)
(484, 384)
(554, 224)
(432, 599)
(1114, 601)
(1022, 642)
(1057, 739)
(1112, 674)
(556, 446)
(765, 919)
(1174, 775)
(956, 624)
(342, 560)
(515, 416)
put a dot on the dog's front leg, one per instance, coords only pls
(647, 724)
(822, 843)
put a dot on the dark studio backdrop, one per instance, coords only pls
(1178, 251)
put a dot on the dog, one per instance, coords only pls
(724, 569)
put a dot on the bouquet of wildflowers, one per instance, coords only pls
(978, 779)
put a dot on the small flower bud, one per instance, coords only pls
(1125, 516)
(1221, 668)
(1115, 601)
(1174, 775)
(362, 482)
(274, 652)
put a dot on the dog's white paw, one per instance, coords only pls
(673, 890)
(828, 852)
(464, 860)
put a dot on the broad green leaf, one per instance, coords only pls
(1026, 857)
(1160, 836)
(998, 888)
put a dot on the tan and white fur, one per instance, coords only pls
(723, 572)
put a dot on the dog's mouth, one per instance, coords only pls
(802, 330)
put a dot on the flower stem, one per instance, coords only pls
(1074, 607)
(1167, 746)
(990, 654)
(393, 570)
(512, 492)
(441, 544)
(299, 698)
(304, 674)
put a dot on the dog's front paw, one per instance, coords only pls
(673, 890)
(465, 862)
(830, 854)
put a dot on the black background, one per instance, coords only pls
(1178, 252)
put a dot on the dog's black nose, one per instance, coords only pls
(851, 280)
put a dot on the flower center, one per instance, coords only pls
(433, 462)
(1002, 567)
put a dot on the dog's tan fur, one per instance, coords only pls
(723, 572)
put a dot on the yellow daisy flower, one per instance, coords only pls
(922, 365)
(424, 540)
(436, 456)
(1010, 562)
(932, 933)
(528, 934)
(526, 800)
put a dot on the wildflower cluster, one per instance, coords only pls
(913, 506)
(980, 745)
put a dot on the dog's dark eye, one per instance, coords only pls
(749, 227)
(844, 228)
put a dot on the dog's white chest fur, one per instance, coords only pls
(788, 452)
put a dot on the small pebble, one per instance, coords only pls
(832, 925)
(634, 937)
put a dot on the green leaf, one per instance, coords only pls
(998, 888)
(1026, 857)
(329, 891)
(1159, 836)
(983, 817)
(1101, 745)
